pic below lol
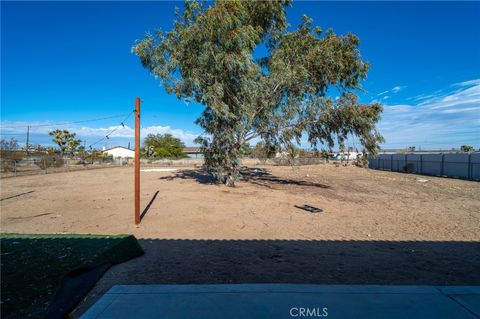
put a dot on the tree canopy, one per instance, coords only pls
(466, 148)
(163, 145)
(279, 98)
(65, 140)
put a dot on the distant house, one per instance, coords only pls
(193, 152)
(346, 156)
(119, 151)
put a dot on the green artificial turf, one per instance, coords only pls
(33, 266)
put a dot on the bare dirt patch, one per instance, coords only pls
(358, 204)
(376, 227)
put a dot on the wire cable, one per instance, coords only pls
(115, 129)
(66, 123)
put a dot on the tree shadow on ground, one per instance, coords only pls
(303, 261)
(262, 177)
(257, 176)
(178, 261)
(199, 175)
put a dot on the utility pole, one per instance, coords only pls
(28, 136)
(137, 161)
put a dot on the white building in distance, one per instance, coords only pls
(119, 151)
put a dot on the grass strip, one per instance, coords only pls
(35, 267)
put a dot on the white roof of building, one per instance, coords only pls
(111, 148)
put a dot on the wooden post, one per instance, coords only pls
(137, 161)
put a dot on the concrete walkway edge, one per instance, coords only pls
(287, 301)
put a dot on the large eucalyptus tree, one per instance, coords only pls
(258, 80)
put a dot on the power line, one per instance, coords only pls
(65, 123)
(122, 123)
(115, 129)
(433, 142)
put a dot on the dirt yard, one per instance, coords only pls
(376, 227)
(358, 204)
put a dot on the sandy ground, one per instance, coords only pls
(376, 227)
(358, 204)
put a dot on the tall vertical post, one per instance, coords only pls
(137, 160)
(469, 166)
(442, 165)
(27, 141)
(421, 164)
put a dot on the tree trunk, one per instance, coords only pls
(230, 181)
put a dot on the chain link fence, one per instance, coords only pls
(47, 164)
(34, 164)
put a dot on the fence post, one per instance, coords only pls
(442, 165)
(45, 165)
(15, 168)
(391, 163)
(469, 166)
(421, 164)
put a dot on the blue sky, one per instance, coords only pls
(71, 61)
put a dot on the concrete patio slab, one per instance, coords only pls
(286, 301)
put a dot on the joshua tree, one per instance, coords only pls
(65, 140)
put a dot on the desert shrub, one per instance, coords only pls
(12, 155)
(107, 158)
(9, 157)
(49, 161)
(362, 160)
(408, 168)
(7, 165)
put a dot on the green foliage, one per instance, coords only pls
(362, 160)
(94, 156)
(65, 140)
(164, 146)
(466, 148)
(262, 152)
(278, 98)
(246, 150)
